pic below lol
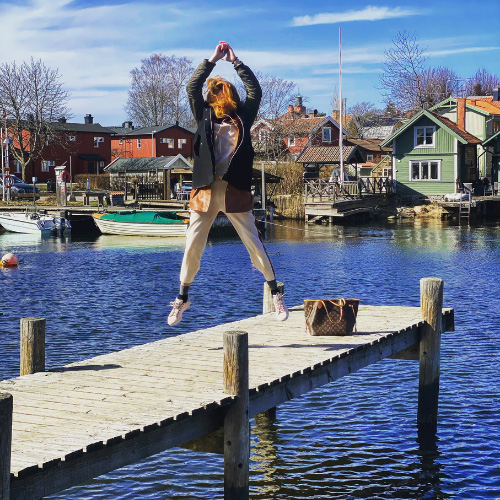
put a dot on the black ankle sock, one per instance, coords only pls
(273, 285)
(184, 298)
(183, 292)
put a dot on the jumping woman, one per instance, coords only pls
(222, 172)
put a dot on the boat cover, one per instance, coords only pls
(144, 217)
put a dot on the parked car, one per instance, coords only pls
(18, 186)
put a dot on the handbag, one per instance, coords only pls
(330, 316)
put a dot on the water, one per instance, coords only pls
(354, 438)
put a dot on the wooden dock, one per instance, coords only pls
(87, 418)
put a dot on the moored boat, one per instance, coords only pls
(33, 222)
(133, 223)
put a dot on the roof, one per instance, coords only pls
(299, 126)
(95, 128)
(463, 136)
(91, 157)
(370, 144)
(494, 137)
(145, 130)
(146, 164)
(327, 154)
(471, 139)
(483, 104)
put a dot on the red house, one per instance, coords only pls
(287, 136)
(150, 142)
(84, 148)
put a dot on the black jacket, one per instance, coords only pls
(239, 172)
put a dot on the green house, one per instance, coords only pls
(431, 156)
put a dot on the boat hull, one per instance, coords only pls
(32, 223)
(140, 229)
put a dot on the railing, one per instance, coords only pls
(376, 185)
(150, 191)
(317, 190)
(322, 190)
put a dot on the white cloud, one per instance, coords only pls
(463, 50)
(369, 13)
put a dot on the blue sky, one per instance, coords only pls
(95, 44)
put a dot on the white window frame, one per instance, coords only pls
(97, 140)
(101, 164)
(386, 171)
(170, 143)
(71, 138)
(120, 142)
(324, 134)
(163, 140)
(369, 157)
(426, 129)
(291, 141)
(46, 164)
(152, 173)
(138, 144)
(420, 170)
(181, 142)
(263, 134)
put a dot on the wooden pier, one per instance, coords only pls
(63, 427)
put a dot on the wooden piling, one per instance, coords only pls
(32, 345)
(6, 405)
(267, 303)
(236, 424)
(431, 303)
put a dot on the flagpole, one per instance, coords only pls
(341, 113)
(3, 157)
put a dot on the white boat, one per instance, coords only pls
(33, 223)
(133, 223)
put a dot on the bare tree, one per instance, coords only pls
(33, 99)
(277, 94)
(363, 112)
(483, 83)
(402, 72)
(435, 85)
(158, 95)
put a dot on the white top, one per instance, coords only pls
(225, 140)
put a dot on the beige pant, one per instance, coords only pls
(200, 224)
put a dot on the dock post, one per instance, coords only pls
(267, 303)
(6, 404)
(431, 303)
(32, 345)
(236, 423)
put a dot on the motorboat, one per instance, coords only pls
(33, 222)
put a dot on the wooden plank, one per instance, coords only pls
(5, 444)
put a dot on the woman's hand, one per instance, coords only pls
(223, 51)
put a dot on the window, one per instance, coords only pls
(18, 167)
(97, 140)
(152, 173)
(101, 164)
(369, 157)
(263, 134)
(47, 164)
(425, 170)
(386, 172)
(291, 141)
(163, 140)
(181, 143)
(425, 137)
(138, 144)
(170, 143)
(326, 134)
(71, 138)
(120, 142)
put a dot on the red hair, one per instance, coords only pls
(222, 96)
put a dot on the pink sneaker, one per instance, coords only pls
(178, 307)
(280, 307)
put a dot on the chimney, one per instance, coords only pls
(461, 112)
(89, 119)
(62, 119)
(495, 94)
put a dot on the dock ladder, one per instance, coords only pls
(464, 208)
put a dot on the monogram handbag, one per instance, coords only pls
(331, 316)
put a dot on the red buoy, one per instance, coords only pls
(9, 260)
